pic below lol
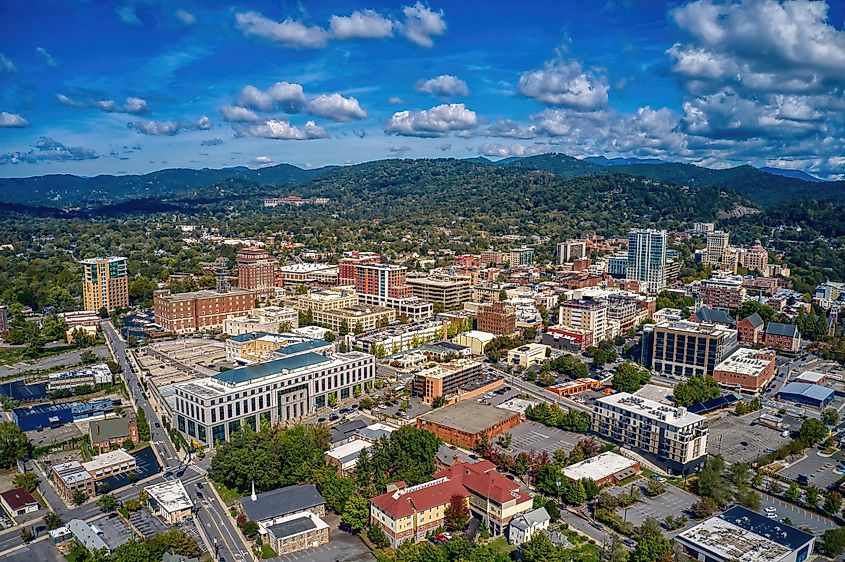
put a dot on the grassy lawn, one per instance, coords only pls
(87, 455)
(228, 496)
(267, 552)
(11, 355)
(501, 544)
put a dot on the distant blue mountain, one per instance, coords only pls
(797, 174)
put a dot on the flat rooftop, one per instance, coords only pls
(261, 370)
(746, 536)
(598, 467)
(118, 456)
(204, 294)
(650, 409)
(468, 416)
(172, 496)
(745, 361)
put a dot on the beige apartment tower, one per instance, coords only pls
(105, 283)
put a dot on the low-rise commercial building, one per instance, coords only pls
(809, 394)
(170, 501)
(742, 535)
(570, 388)
(447, 291)
(528, 355)
(323, 299)
(307, 274)
(269, 508)
(91, 376)
(270, 320)
(466, 422)
(211, 409)
(567, 338)
(672, 437)
(449, 380)
(475, 340)
(110, 464)
(86, 536)
(747, 369)
(356, 319)
(401, 337)
(345, 457)
(68, 477)
(18, 502)
(183, 313)
(605, 468)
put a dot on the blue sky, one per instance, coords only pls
(136, 86)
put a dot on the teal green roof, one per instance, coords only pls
(306, 345)
(261, 370)
(249, 336)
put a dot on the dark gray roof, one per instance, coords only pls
(714, 315)
(346, 430)
(446, 455)
(778, 329)
(772, 529)
(283, 501)
(292, 527)
(755, 320)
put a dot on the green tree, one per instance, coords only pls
(652, 546)
(107, 503)
(52, 520)
(143, 425)
(697, 388)
(629, 377)
(832, 503)
(832, 542)
(654, 487)
(344, 328)
(811, 495)
(575, 494)
(813, 431)
(27, 481)
(26, 534)
(793, 492)
(79, 497)
(13, 444)
(830, 416)
(539, 548)
(377, 536)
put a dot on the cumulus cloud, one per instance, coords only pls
(6, 65)
(283, 96)
(365, 24)
(399, 151)
(443, 85)
(566, 84)
(212, 142)
(395, 100)
(186, 17)
(126, 14)
(512, 129)
(133, 105)
(435, 122)
(501, 151)
(336, 107)
(46, 57)
(170, 128)
(49, 150)
(289, 33)
(12, 120)
(262, 161)
(237, 113)
(421, 23)
(283, 130)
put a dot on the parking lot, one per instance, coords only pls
(146, 523)
(114, 531)
(738, 441)
(799, 517)
(820, 471)
(341, 546)
(533, 436)
(673, 501)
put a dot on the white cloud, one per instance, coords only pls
(284, 96)
(170, 128)
(12, 120)
(421, 23)
(443, 85)
(502, 151)
(237, 113)
(126, 14)
(6, 65)
(336, 108)
(435, 122)
(399, 151)
(49, 150)
(262, 161)
(280, 129)
(366, 24)
(133, 105)
(185, 17)
(395, 100)
(566, 84)
(512, 129)
(290, 33)
(46, 57)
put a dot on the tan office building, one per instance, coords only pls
(105, 283)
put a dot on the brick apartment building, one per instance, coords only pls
(723, 293)
(751, 329)
(256, 271)
(496, 318)
(783, 336)
(350, 261)
(187, 312)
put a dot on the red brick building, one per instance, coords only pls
(496, 318)
(350, 261)
(464, 423)
(751, 329)
(746, 368)
(382, 280)
(256, 271)
(187, 312)
(783, 336)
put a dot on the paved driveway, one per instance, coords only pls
(819, 470)
(341, 546)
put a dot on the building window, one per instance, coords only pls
(192, 428)
(234, 426)
(180, 423)
(218, 433)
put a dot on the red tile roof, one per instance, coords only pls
(480, 477)
(17, 498)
